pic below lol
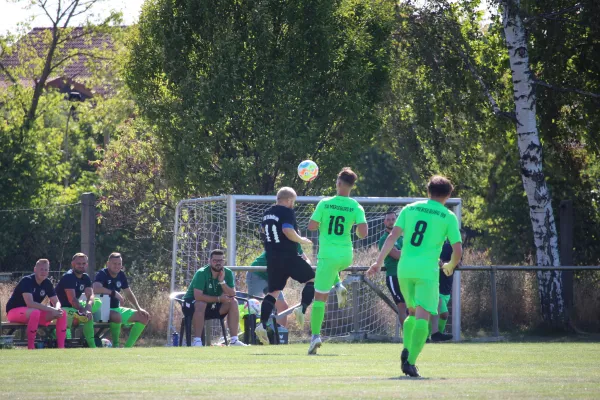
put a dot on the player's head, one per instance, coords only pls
(114, 263)
(286, 196)
(439, 188)
(217, 260)
(79, 263)
(345, 181)
(390, 219)
(41, 269)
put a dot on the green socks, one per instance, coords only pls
(419, 337)
(115, 333)
(442, 325)
(88, 333)
(316, 317)
(134, 334)
(407, 331)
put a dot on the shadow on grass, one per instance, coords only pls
(408, 378)
(288, 354)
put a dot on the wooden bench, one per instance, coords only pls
(44, 338)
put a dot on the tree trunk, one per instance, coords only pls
(550, 285)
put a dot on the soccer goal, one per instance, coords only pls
(233, 223)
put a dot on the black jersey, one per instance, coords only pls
(71, 281)
(274, 220)
(29, 285)
(446, 281)
(116, 284)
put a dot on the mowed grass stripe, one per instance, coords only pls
(495, 370)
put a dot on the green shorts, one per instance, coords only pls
(126, 314)
(328, 270)
(444, 299)
(72, 311)
(420, 292)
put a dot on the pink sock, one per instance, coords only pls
(32, 327)
(61, 331)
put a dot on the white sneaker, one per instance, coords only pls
(342, 295)
(197, 342)
(261, 334)
(238, 343)
(299, 317)
(315, 343)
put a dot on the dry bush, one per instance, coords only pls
(6, 290)
(586, 301)
(517, 296)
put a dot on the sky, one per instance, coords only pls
(12, 12)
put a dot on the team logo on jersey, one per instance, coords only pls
(119, 284)
(109, 281)
(81, 287)
(42, 292)
(210, 285)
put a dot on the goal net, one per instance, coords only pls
(233, 224)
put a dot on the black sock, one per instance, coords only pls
(266, 309)
(308, 294)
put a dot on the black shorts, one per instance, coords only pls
(212, 309)
(394, 287)
(281, 266)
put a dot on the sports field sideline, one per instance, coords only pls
(349, 371)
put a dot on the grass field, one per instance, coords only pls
(350, 371)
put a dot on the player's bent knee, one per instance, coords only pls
(115, 317)
(444, 315)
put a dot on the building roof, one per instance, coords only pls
(31, 50)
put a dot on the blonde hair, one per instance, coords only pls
(286, 193)
(42, 261)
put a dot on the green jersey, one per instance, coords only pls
(426, 225)
(336, 216)
(203, 280)
(261, 261)
(390, 263)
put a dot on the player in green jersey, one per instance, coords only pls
(334, 218)
(425, 225)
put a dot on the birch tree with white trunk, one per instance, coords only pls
(550, 284)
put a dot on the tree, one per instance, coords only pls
(241, 92)
(41, 127)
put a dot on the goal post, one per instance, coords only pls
(232, 222)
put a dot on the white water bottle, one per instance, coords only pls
(105, 309)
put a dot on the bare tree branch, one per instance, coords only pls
(566, 89)
(7, 72)
(74, 55)
(43, 7)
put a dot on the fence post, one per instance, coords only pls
(566, 252)
(88, 231)
(494, 302)
(456, 311)
(355, 281)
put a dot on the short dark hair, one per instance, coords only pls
(439, 186)
(77, 255)
(391, 211)
(217, 252)
(347, 176)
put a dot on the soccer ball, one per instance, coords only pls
(106, 343)
(252, 307)
(308, 170)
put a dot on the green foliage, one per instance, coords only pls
(241, 92)
(136, 205)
